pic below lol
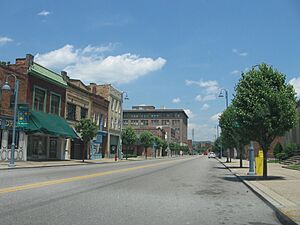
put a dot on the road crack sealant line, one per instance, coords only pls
(282, 217)
(77, 178)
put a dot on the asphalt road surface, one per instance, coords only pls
(185, 191)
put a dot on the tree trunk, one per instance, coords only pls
(265, 164)
(145, 153)
(230, 151)
(241, 157)
(83, 151)
(126, 152)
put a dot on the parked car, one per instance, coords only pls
(211, 155)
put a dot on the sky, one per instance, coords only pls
(172, 54)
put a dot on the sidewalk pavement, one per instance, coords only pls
(281, 191)
(38, 164)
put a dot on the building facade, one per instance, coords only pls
(173, 121)
(114, 121)
(43, 93)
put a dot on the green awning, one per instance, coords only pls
(51, 124)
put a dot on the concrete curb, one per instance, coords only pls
(282, 217)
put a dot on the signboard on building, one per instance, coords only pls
(22, 115)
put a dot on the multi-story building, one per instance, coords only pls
(114, 123)
(173, 121)
(43, 92)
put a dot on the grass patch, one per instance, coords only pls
(273, 161)
(294, 166)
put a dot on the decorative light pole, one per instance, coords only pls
(221, 95)
(119, 150)
(6, 87)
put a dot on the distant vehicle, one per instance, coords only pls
(211, 155)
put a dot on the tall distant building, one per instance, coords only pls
(173, 121)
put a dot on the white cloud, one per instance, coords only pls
(176, 100)
(209, 88)
(5, 40)
(234, 72)
(189, 113)
(296, 83)
(202, 132)
(237, 52)
(44, 13)
(89, 65)
(215, 117)
(58, 58)
(205, 107)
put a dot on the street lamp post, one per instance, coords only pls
(221, 95)
(118, 153)
(6, 87)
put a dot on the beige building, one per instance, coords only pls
(82, 102)
(115, 98)
(173, 121)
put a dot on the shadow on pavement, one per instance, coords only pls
(238, 179)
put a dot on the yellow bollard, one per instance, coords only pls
(259, 163)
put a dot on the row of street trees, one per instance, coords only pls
(263, 108)
(147, 140)
(87, 130)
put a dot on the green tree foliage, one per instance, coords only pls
(87, 130)
(146, 140)
(157, 144)
(233, 135)
(265, 106)
(129, 138)
(164, 146)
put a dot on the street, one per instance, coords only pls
(188, 190)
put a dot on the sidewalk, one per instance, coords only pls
(38, 164)
(281, 191)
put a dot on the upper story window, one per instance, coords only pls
(165, 122)
(144, 122)
(134, 122)
(39, 99)
(175, 122)
(55, 104)
(125, 122)
(154, 122)
(71, 111)
(83, 112)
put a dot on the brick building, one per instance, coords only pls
(173, 121)
(44, 93)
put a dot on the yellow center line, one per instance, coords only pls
(77, 178)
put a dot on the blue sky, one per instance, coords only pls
(176, 54)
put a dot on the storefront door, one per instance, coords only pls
(37, 147)
(53, 148)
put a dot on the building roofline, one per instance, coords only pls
(154, 110)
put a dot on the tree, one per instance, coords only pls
(157, 144)
(164, 146)
(172, 147)
(146, 140)
(87, 130)
(265, 106)
(233, 134)
(129, 138)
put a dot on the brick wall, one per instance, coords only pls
(6, 95)
(35, 81)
